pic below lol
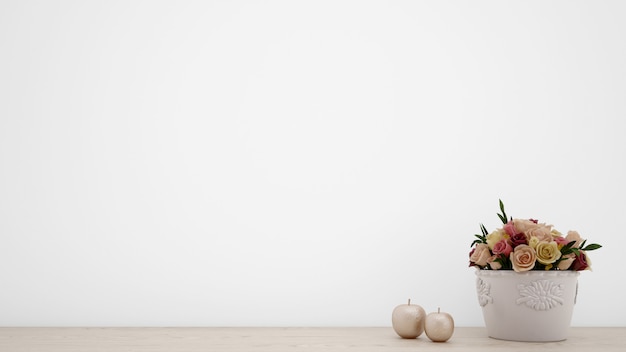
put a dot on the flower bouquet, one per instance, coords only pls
(523, 245)
(527, 278)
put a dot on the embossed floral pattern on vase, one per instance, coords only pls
(540, 295)
(482, 288)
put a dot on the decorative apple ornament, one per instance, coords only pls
(439, 326)
(408, 320)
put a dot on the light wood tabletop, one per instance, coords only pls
(13, 339)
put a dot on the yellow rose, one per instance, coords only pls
(533, 242)
(523, 258)
(496, 237)
(547, 252)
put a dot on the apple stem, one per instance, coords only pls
(409, 302)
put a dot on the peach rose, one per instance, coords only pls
(574, 236)
(566, 262)
(480, 255)
(493, 264)
(547, 252)
(521, 225)
(542, 232)
(523, 258)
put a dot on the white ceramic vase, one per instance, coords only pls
(535, 306)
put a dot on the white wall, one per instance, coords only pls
(282, 163)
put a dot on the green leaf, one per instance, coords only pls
(502, 217)
(591, 247)
(567, 249)
(484, 230)
(582, 245)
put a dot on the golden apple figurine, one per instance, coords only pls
(408, 320)
(439, 326)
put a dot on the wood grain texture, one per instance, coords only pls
(286, 339)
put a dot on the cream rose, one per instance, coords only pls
(480, 255)
(547, 252)
(496, 237)
(556, 233)
(523, 258)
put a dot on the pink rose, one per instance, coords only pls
(509, 228)
(503, 247)
(581, 262)
(480, 255)
(518, 239)
(523, 258)
(561, 241)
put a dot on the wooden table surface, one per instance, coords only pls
(286, 339)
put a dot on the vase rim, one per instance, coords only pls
(548, 273)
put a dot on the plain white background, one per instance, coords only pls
(298, 163)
